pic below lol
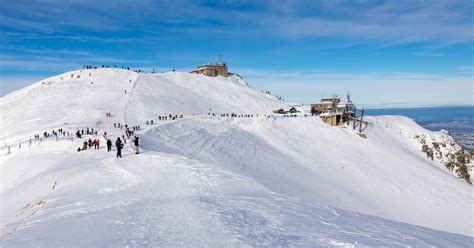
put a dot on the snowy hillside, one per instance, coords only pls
(73, 99)
(206, 180)
(184, 93)
(81, 98)
(305, 158)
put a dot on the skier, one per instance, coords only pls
(109, 145)
(135, 142)
(119, 146)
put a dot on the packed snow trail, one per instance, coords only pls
(159, 199)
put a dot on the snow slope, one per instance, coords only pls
(384, 175)
(65, 101)
(215, 181)
(184, 93)
(92, 199)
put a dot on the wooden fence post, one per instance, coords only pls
(355, 118)
(361, 120)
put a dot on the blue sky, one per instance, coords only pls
(385, 53)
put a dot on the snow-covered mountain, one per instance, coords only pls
(213, 180)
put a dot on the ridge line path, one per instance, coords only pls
(118, 110)
(134, 85)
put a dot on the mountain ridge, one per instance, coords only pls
(257, 157)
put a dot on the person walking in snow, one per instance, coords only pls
(84, 145)
(90, 143)
(119, 146)
(109, 145)
(135, 143)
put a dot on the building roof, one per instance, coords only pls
(211, 65)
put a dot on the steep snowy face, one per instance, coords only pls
(73, 99)
(384, 175)
(185, 93)
(438, 147)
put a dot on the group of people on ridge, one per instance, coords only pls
(89, 143)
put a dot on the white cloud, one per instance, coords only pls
(392, 22)
(369, 89)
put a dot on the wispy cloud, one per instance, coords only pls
(368, 88)
(466, 68)
(429, 54)
(391, 21)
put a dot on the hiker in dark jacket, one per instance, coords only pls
(135, 143)
(109, 145)
(119, 146)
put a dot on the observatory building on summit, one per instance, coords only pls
(213, 70)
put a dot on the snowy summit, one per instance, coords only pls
(216, 167)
